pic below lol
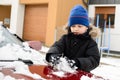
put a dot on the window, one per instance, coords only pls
(103, 17)
(101, 20)
(112, 19)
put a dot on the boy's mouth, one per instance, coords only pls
(75, 33)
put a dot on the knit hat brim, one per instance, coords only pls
(78, 15)
(78, 20)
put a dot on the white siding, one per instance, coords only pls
(115, 32)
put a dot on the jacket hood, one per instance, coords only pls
(95, 32)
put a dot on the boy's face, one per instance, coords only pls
(78, 29)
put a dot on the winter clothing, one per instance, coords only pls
(82, 49)
(78, 15)
(95, 32)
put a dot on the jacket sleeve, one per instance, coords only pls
(57, 48)
(91, 59)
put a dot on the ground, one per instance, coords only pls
(109, 68)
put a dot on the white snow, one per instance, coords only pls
(7, 77)
(13, 52)
(88, 78)
(59, 73)
(64, 66)
(108, 69)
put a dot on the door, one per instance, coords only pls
(35, 22)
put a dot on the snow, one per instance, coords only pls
(59, 73)
(109, 66)
(44, 49)
(88, 78)
(64, 66)
(14, 52)
(108, 69)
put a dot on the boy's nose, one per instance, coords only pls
(76, 29)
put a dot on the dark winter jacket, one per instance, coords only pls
(83, 49)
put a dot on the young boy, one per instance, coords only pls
(77, 45)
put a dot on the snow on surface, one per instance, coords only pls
(2, 77)
(88, 78)
(109, 68)
(64, 66)
(59, 73)
(19, 67)
(14, 52)
(44, 49)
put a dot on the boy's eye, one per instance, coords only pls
(79, 26)
(73, 26)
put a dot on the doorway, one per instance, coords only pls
(35, 22)
(5, 12)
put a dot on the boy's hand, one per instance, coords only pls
(53, 59)
(71, 63)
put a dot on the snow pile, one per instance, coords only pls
(111, 61)
(59, 73)
(2, 38)
(108, 69)
(44, 49)
(7, 77)
(3, 77)
(21, 68)
(63, 67)
(88, 78)
(14, 52)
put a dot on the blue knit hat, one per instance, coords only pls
(78, 15)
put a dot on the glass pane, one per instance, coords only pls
(112, 18)
(101, 20)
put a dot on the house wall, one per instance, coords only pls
(58, 11)
(33, 1)
(63, 10)
(114, 32)
(51, 19)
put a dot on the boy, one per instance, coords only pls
(77, 45)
